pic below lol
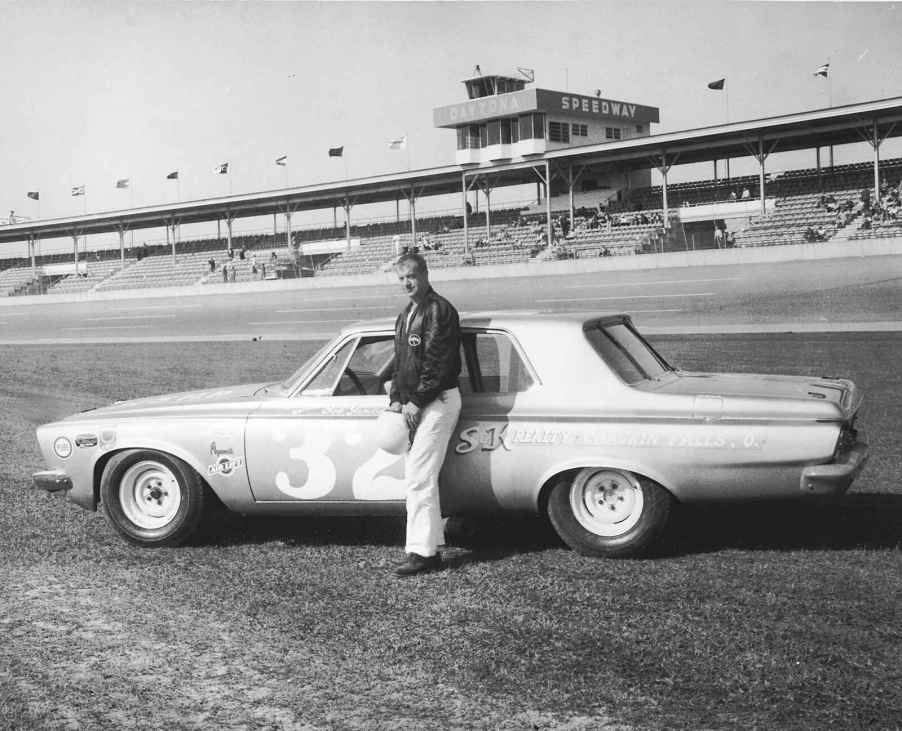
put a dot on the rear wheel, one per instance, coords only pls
(608, 512)
(151, 498)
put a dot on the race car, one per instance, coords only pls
(574, 416)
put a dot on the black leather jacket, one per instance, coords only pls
(427, 354)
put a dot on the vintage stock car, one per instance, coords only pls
(574, 416)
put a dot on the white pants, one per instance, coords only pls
(422, 464)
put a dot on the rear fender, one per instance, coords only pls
(599, 460)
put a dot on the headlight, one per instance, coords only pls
(62, 447)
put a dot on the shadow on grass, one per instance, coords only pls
(482, 540)
(858, 520)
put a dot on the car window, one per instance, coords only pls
(496, 364)
(369, 368)
(323, 383)
(628, 355)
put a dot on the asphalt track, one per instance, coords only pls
(835, 294)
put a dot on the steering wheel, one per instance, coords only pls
(355, 379)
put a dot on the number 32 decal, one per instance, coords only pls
(366, 484)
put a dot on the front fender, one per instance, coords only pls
(231, 485)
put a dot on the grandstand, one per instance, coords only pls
(571, 147)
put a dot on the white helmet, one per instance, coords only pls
(392, 433)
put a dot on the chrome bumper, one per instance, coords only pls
(52, 480)
(835, 478)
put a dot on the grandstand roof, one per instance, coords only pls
(833, 126)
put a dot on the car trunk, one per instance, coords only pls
(737, 388)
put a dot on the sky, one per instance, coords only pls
(96, 91)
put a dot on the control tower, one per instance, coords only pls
(504, 121)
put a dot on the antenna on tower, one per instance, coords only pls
(528, 74)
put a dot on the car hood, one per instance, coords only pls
(214, 400)
(741, 389)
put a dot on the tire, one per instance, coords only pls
(151, 498)
(608, 512)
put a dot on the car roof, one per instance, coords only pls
(496, 318)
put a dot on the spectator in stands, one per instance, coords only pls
(732, 195)
(241, 253)
(231, 253)
(746, 194)
(212, 262)
(262, 270)
(718, 237)
(730, 240)
(233, 273)
(225, 272)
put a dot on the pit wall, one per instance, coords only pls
(708, 257)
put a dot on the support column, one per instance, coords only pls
(229, 220)
(761, 153)
(122, 245)
(487, 190)
(218, 232)
(817, 162)
(397, 210)
(570, 192)
(34, 266)
(663, 165)
(175, 225)
(275, 226)
(877, 142)
(548, 200)
(347, 204)
(75, 247)
(168, 242)
(762, 157)
(288, 240)
(412, 196)
(463, 187)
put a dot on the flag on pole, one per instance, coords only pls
(174, 175)
(34, 195)
(222, 168)
(717, 85)
(78, 190)
(399, 143)
(336, 151)
(823, 70)
(122, 183)
(283, 161)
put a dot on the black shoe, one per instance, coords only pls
(417, 564)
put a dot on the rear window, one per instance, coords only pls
(626, 352)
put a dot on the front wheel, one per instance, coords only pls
(151, 498)
(608, 512)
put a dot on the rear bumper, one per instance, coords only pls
(52, 480)
(835, 478)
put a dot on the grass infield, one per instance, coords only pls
(756, 616)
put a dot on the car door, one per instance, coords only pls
(496, 381)
(318, 445)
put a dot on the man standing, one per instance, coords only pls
(425, 390)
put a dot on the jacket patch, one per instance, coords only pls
(413, 340)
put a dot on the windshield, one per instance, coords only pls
(625, 351)
(295, 379)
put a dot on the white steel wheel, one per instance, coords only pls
(151, 498)
(606, 502)
(600, 511)
(149, 494)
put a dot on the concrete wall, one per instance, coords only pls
(709, 257)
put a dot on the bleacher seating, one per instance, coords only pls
(97, 272)
(13, 279)
(160, 271)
